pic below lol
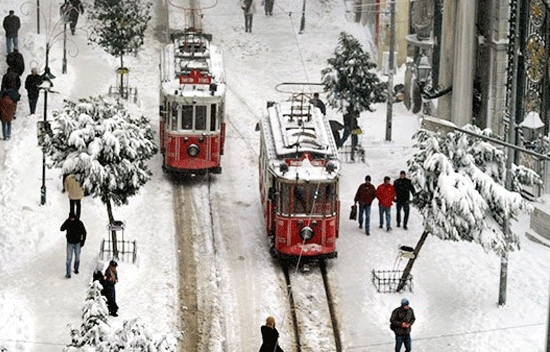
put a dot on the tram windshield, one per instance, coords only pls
(308, 199)
(193, 118)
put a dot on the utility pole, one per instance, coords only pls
(303, 21)
(389, 111)
(65, 15)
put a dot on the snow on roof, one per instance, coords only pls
(192, 52)
(293, 130)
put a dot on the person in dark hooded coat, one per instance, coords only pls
(15, 60)
(270, 335)
(11, 80)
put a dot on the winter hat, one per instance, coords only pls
(113, 263)
(72, 215)
(99, 266)
(404, 302)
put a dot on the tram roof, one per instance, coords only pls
(192, 52)
(291, 131)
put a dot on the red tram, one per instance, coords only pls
(299, 175)
(192, 104)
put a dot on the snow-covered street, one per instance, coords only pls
(455, 284)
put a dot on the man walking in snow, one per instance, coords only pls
(11, 25)
(32, 84)
(249, 9)
(76, 237)
(402, 318)
(385, 194)
(366, 193)
(75, 193)
(403, 189)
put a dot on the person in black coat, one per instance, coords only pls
(32, 84)
(403, 189)
(11, 80)
(11, 25)
(270, 335)
(72, 10)
(15, 60)
(318, 103)
(76, 237)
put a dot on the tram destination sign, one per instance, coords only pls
(195, 77)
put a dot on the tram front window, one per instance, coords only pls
(200, 117)
(310, 199)
(187, 117)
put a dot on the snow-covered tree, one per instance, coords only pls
(96, 335)
(349, 78)
(119, 26)
(104, 146)
(94, 328)
(461, 194)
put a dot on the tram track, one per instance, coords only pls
(314, 318)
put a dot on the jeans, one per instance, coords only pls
(33, 100)
(364, 208)
(6, 129)
(74, 207)
(11, 43)
(73, 248)
(347, 132)
(403, 340)
(248, 22)
(406, 209)
(387, 211)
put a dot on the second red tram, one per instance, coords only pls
(192, 104)
(299, 178)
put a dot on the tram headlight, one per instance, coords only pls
(193, 150)
(306, 233)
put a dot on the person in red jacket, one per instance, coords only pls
(366, 193)
(385, 194)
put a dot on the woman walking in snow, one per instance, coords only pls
(111, 278)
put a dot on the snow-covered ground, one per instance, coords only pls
(455, 284)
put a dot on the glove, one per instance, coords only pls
(82, 244)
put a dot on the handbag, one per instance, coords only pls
(357, 131)
(353, 212)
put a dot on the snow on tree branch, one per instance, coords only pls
(461, 194)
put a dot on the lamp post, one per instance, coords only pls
(303, 21)
(65, 15)
(37, 16)
(423, 71)
(389, 111)
(42, 131)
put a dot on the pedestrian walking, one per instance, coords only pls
(270, 336)
(11, 25)
(385, 194)
(401, 320)
(11, 80)
(111, 278)
(76, 237)
(32, 85)
(71, 11)
(8, 106)
(268, 6)
(75, 193)
(318, 103)
(249, 9)
(365, 194)
(351, 127)
(403, 189)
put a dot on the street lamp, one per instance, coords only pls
(44, 129)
